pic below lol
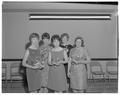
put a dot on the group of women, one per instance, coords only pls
(54, 64)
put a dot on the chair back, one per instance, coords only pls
(111, 66)
(15, 67)
(4, 70)
(95, 66)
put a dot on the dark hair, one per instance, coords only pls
(45, 35)
(82, 44)
(55, 37)
(27, 45)
(33, 35)
(65, 35)
(41, 42)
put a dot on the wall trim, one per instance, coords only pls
(93, 59)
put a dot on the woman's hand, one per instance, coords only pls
(50, 64)
(56, 63)
(61, 61)
(35, 67)
(76, 62)
(38, 65)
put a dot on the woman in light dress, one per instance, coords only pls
(44, 51)
(77, 66)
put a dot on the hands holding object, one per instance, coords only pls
(57, 62)
(39, 65)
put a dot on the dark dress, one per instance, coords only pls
(68, 48)
(57, 77)
(33, 75)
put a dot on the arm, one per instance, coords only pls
(24, 62)
(65, 57)
(49, 58)
(69, 65)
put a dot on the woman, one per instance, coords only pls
(67, 46)
(33, 63)
(57, 57)
(45, 49)
(77, 70)
(65, 43)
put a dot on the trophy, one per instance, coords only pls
(39, 62)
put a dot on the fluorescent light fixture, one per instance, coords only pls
(69, 16)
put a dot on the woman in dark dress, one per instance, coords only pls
(65, 43)
(67, 46)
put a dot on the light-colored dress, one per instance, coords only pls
(78, 76)
(57, 77)
(33, 75)
(44, 51)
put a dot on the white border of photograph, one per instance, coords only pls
(52, 1)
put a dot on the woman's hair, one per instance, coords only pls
(32, 35)
(55, 37)
(65, 35)
(45, 35)
(82, 41)
(41, 43)
(27, 45)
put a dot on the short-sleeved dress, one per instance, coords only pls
(57, 77)
(44, 51)
(33, 75)
(78, 76)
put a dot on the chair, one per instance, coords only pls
(4, 73)
(96, 70)
(111, 69)
(15, 73)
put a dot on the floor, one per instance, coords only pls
(97, 86)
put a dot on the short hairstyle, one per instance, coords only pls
(82, 44)
(33, 35)
(65, 35)
(45, 35)
(55, 37)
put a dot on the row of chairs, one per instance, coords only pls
(95, 70)
(16, 71)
